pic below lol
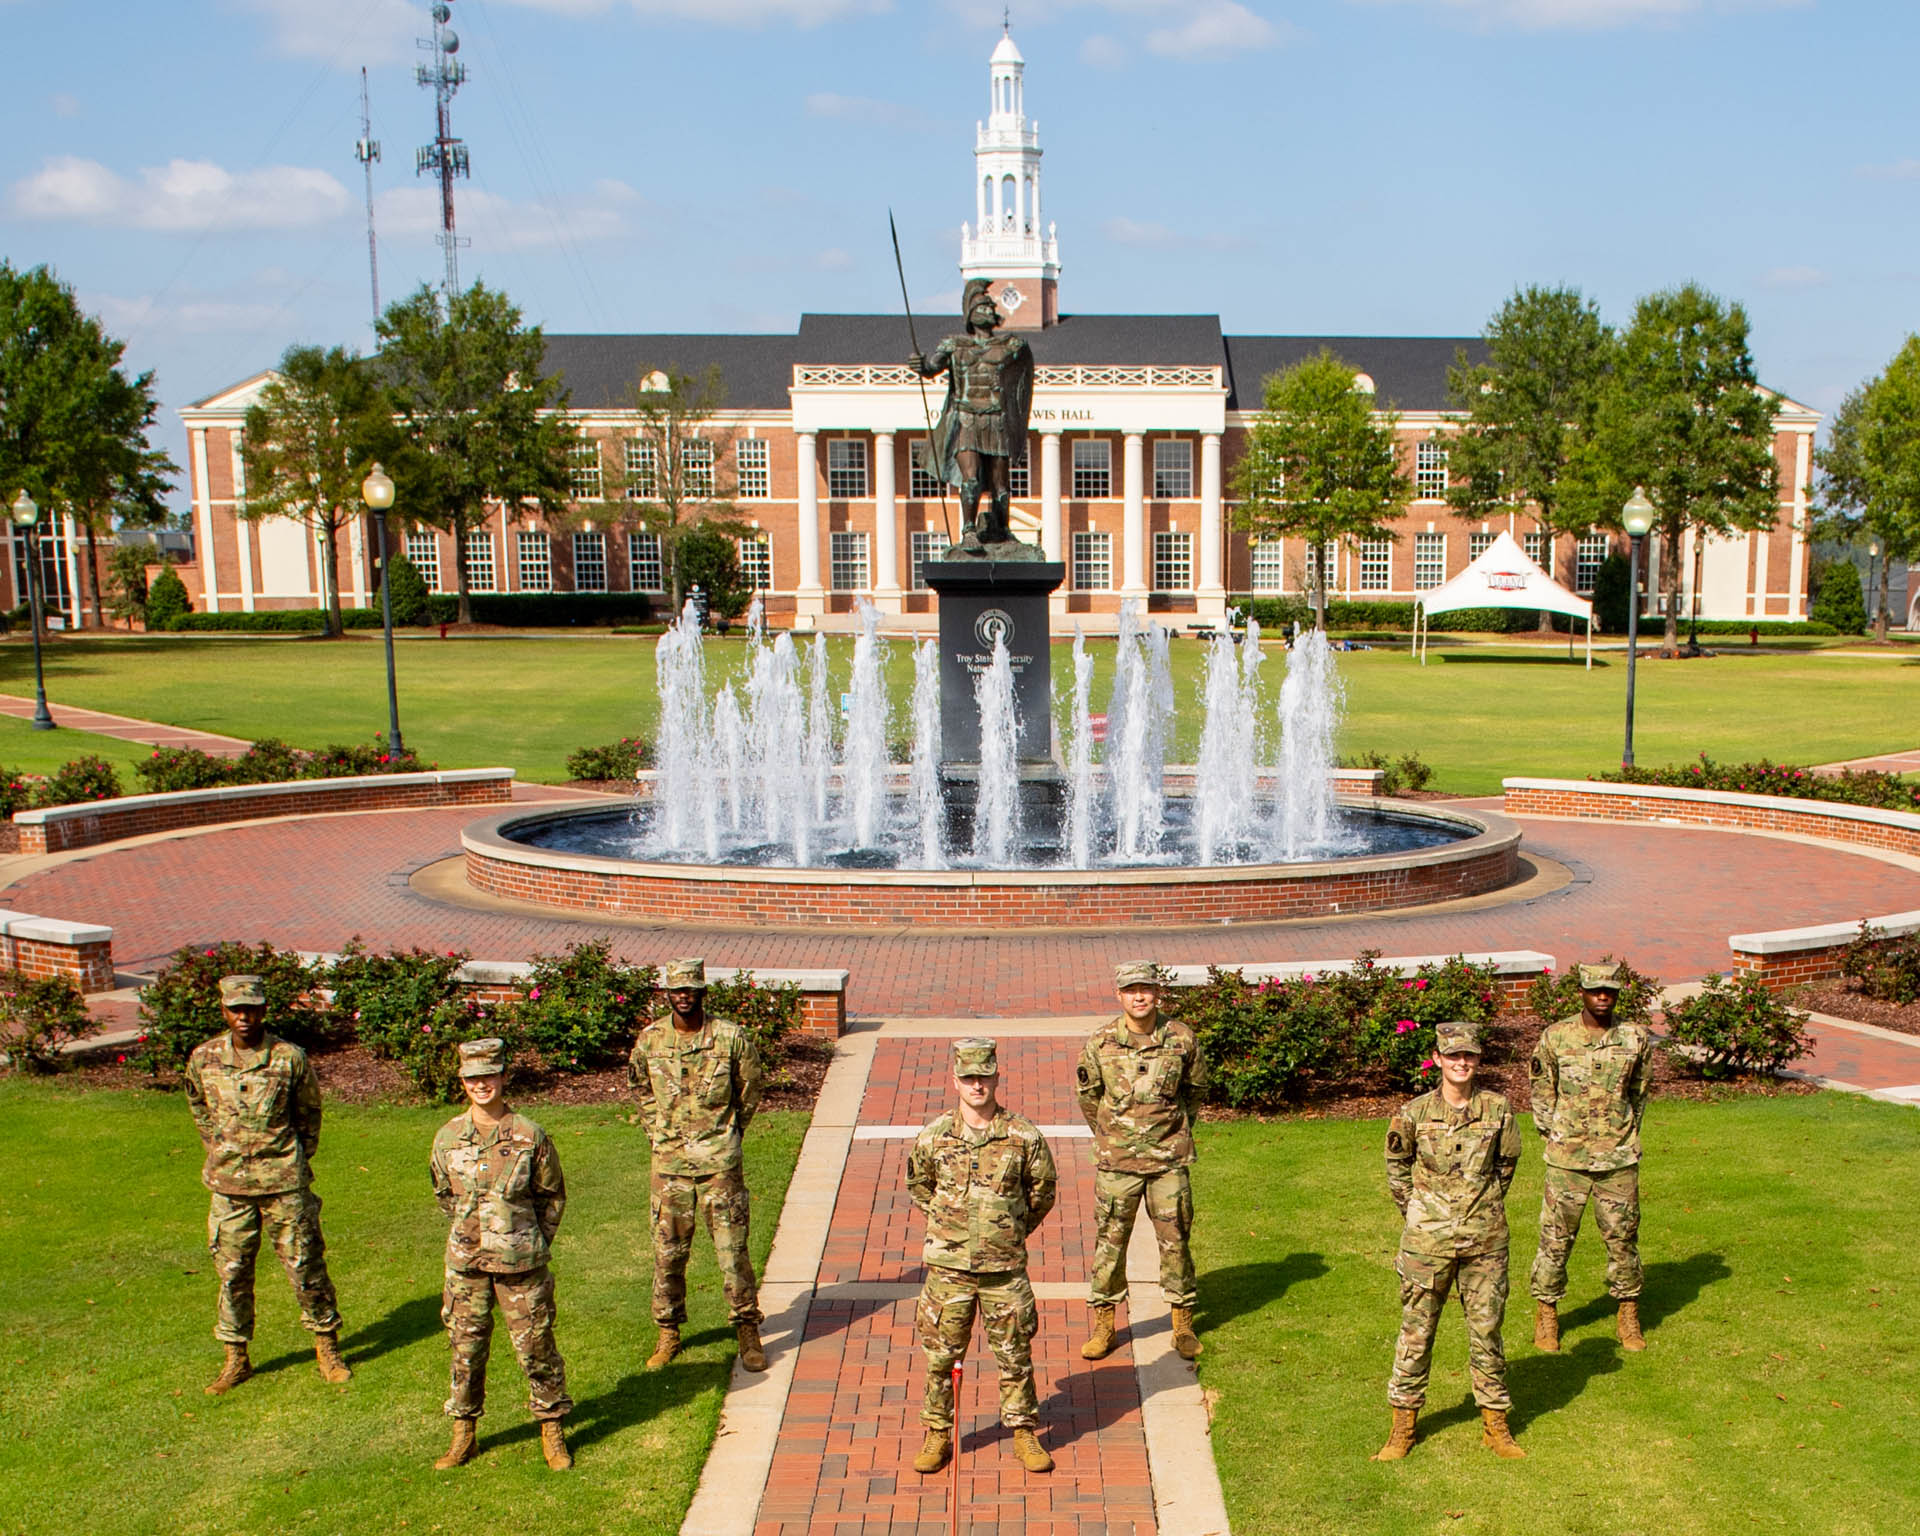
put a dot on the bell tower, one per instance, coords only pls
(1006, 243)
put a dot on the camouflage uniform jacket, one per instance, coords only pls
(258, 1113)
(982, 1192)
(697, 1094)
(1140, 1095)
(1589, 1093)
(503, 1191)
(1449, 1170)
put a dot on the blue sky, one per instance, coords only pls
(1313, 166)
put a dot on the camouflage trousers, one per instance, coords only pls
(1169, 1198)
(678, 1202)
(292, 1223)
(1616, 1212)
(526, 1302)
(1424, 1282)
(1010, 1316)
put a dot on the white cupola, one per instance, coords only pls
(1007, 243)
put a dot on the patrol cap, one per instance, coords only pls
(689, 974)
(1455, 1037)
(1603, 978)
(240, 991)
(483, 1058)
(975, 1057)
(1137, 973)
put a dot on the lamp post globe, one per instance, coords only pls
(377, 492)
(25, 512)
(1637, 517)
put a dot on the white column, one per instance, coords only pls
(1797, 559)
(203, 522)
(886, 554)
(1053, 536)
(809, 597)
(242, 529)
(1133, 524)
(1211, 600)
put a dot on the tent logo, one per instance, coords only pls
(1507, 581)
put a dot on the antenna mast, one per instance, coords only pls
(366, 150)
(446, 156)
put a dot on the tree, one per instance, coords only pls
(127, 581)
(1868, 475)
(683, 478)
(1612, 593)
(1836, 597)
(487, 424)
(710, 560)
(1681, 414)
(167, 600)
(1527, 408)
(1320, 464)
(308, 445)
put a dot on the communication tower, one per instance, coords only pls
(366, 150)
(446, 156)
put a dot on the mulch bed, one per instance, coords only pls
(9, 836)
(1840, 1000)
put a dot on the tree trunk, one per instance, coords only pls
(93, 575)
(330, 577)
(463, 610)
(1319, 586)
(1670, 584)
(1699, 559)
(1546, 564)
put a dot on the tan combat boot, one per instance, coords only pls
(935, 1449)
(326, 1358)
(1100, 1342)
(753, 1354)
(664, 1348)
(1628, 1324)
(1186, 1343)
(461, 1451)
(1029, 1452)
(1400, 1440)
(1496, 1437)
(236, 1370)
(1546, 1327)
(553, 1446)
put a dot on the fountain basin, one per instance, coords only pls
(1486, 857)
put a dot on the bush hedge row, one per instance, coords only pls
(270, 761)
(1348, 614)
(512, 610)
(1850, 786)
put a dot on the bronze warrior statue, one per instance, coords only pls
(983, 424)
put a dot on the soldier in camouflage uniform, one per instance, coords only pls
(256, 1104)
(1591, 1077)
(984, 1179)
(1451, 1155)
(1141, 1081)
(497, 1178)
(699, 1081)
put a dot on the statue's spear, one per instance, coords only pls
(926, 410)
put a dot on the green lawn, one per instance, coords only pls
(1476, 712)
(106, 1316)
(31, 751)
(1779, 1391)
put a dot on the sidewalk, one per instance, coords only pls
(146, 732)
(1886, 762)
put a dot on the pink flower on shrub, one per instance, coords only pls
(619, 997)
(1429, 1065)
(426, 1029)
(534, 994)
(1420, 985)
(1308, 978)
(1404, 1026)
(1406, 986)
(120, 1060)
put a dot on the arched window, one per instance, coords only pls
(1026, 205)
(1009, 202)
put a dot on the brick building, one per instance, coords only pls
(1137, 420)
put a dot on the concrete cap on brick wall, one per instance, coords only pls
(315, 788)
(1505, 962)
(1786, 941)
(1784, 804)
(504, 973)
(52, 930)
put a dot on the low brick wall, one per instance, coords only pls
(58, 828)
(1514, 970)
(1177, 778)
(1791, 957)
(1587, 800)
(41, 947)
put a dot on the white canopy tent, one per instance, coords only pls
(1505, 576)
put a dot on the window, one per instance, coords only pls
(1587, 555)
(849, 562)
(846, 468)
(1269, 573)
(924, 546)
(423, 549)
(642, 481)
(1478, 544)
(583, 471)
(1092, 469)
(1538, 551)
(756, 562)
(1172, 469)
(1376, 565)
(536, 562)
(1020, 474)
(589, 562)
(1429, 472)
(1429, 560)
(750, 469)
(1092, 561)
(1329, 566)
(696, 467)
(480, 563)
(922, 483)
(644, 572)
(1172, 562)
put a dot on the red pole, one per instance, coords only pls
(953, 1502)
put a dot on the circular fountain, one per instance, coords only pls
(760, 812)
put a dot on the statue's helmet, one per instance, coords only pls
(977, 288)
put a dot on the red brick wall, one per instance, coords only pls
(89, 966)
(1801, 817)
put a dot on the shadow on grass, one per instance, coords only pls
(1468, 659)
(1242, 1288)
(1670, 1286)
(406, 1324)
(634, 1399)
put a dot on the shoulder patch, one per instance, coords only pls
(1396, 1143)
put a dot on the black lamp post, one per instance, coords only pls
(377, 491)
(1637, 518)
(26, 516)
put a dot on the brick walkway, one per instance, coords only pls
(121, 727)
(1885, 762)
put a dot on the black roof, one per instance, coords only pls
(602, 371)
(1408, 372)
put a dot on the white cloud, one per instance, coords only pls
(1794, 277)
(180, 195)
(1899, 170)
(1583, 15)
(413, 212)
(1216, 27)
(727, 13)
(1102, 52)
(834, 260)
(864, 109)
(346, 33)
(124, 316)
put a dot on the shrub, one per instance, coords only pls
(547, 610)
(1552, 998)
(75, 783)
(1734, 1027)
(1611, 598)
(37, 1017)
(1396, 1032)
(167, 601)
(171, 768)
(1850, 786)
(344, 762)
(16, 794)
(181, 1006)
(411, 603)
(406, 1008)
(267, 761)
(1883, 968)
(707, 557)
(769, 1012)
(277, 621)
(1836, 598)
(622, 760)
(1407, 771)
(127, 581)
(581, 1010)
